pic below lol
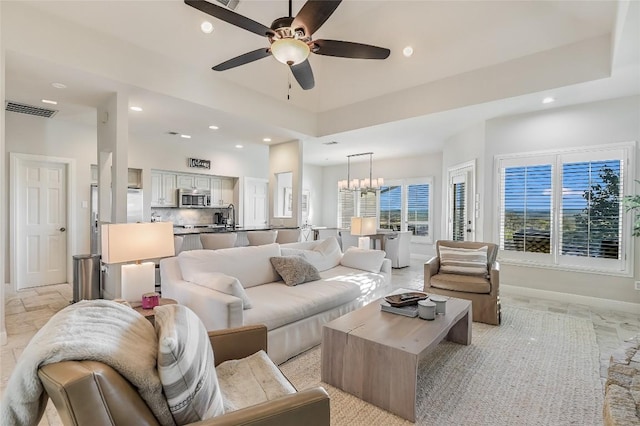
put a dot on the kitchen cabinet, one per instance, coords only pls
(221, 191)
(163, 189)
(194, 182)
(134, 177)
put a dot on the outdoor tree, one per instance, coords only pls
(600, 219)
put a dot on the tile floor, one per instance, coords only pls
(27, 311)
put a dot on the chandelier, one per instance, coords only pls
(365, 185)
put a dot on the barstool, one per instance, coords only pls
(288, 236)
(259, 238)
(220, 240)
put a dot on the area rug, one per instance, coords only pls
(537, 368)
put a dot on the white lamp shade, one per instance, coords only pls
(128, 242)
(363, 226)
(290, 51)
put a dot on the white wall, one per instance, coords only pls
(312, 181)
(597, 123)
(466, 146)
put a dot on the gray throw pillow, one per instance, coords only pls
(185, 365)
(295, 270)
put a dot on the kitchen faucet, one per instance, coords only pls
(233, 216)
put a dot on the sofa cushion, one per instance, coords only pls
(364, 259)
(280, 305)
(224, 284)
(295, 270)
(465, 283)
(324, 255)
(250, 381)
(185, 365)
(250, 265)
(455, 260)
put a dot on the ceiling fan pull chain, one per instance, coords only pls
(288, 86)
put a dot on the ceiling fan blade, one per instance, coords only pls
(347, 49)
(313, 14)
(230, 17)
(303, 74)
(243, 59)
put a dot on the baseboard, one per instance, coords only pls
(615, 305)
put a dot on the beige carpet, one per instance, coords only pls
(537, 368)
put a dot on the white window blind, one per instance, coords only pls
(591, 211)
(526, 209)
(391, 207)
(368, 204)
(459, 216)
(346, 208)
(418, 209)
(564, 208)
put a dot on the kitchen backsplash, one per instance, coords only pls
(186, 216)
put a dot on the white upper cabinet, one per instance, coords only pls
(194, 182)
(163, 189)
(221, 191)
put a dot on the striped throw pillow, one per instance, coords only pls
(185, 365)
(454, 260)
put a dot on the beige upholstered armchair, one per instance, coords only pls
(92, 393)
(481, 288)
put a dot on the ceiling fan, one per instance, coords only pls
(290, 38)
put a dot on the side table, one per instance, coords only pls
(148, 313)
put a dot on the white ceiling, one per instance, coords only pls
(450, 39)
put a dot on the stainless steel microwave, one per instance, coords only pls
(194, 198)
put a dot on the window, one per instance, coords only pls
(564, 209)
(405, 205)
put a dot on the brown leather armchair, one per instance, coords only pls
(92, 393)
(484, 293)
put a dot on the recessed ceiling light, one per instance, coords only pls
(59, 85)
(266, 140)
(135, 108)
(407, 51)
(548, 100)
(48, 101)
(185, 136)
(212, 127)
(206, 27)
(239, 146)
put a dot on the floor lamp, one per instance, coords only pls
(134, 242)
(363, 226)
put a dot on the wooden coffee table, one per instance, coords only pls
(374, 355)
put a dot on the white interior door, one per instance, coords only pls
(461, 203)
(41, 220)
(256, 202)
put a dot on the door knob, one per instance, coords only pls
(63, 229)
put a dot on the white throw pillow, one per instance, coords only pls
(325, 255)
(367, 260)
(224, 284)
(185, 365)
(250, 381)
(455, 260)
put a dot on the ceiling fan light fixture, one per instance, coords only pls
(290, 51)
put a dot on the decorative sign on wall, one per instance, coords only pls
(198, 163)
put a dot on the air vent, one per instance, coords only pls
(231, 4)
(173, 133)
(29, 109)
(330, 143)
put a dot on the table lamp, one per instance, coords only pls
(363, 226)
(129, 242)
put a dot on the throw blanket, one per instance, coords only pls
(97, 330)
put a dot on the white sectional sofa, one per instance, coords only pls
(239, 286)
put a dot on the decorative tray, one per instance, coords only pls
(405, 299)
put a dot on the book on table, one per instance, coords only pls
(408, 311)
